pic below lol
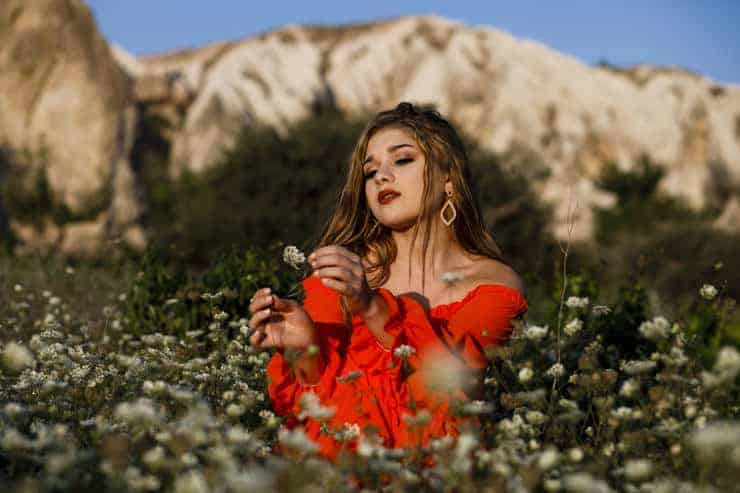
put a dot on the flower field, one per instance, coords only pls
(128, 388)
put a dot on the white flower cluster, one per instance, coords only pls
(404, 351)
(311, 407)
(293, 256)
(708, 292)
(535, 332)
(17, 357)
(726, 368)
(573, 327)
(655, 329)
(576, 302)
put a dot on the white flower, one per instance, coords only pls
(535, 332)
(576, 302)
(293, 256)
(16, 357)
(575, 454)
(477, 407)
(573, 327)
(451, 277)
(311, 407)
(191, 482)
(638, 470)
(708, 292)
(421, 418)
(235, 410)
(629, 388)
(18, 288)
(637, 367)
(404, 351)
(556, 370)
(715, 440)
(525, 375)
(297, 440)
(599, 310)
(583, 482)
(221, 316)
(728, 362)
(655, 329)
(350, 431)
(548, 459)
(536, 417)
(140, 411)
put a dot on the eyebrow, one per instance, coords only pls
(390, 149)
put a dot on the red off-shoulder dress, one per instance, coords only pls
(384, 392)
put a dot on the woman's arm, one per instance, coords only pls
(376, 317)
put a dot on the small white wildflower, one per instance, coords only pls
(16, 357)
(451, 277)
(191, 482)
(549, 458)
(655, 329)
(629, 388)
(599, 310)
(525, 375)
(727, 363)
(293, 257)
(171, 301)
(536, 417)
(477, 407)
(421, 418)
(17, 288)
(638, 469)
(575, 454)
(535, 332)
(220, 316)
(637, 367)
(708, 292)
(235, 410)
(311, 407)
(350, 431)
(556, 370)
(576, 302)
(573, 327)
(404, 351)
(296, 440)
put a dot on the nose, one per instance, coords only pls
(383, 173)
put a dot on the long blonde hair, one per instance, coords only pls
(354, 227)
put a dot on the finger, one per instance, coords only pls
(338, 273)
(271, 339)
(256, 338)
(281, 305)
(261, 302)
(259, 294)
(339, 286)
(259, 317)
(333, 260)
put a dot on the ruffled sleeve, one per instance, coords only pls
(483, 320)
(322, 305)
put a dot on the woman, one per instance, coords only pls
(391, 343)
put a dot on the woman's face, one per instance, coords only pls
(394, 161)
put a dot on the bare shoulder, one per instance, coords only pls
(496, 272)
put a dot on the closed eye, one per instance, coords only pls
(370, 174)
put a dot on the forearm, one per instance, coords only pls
(375, 318)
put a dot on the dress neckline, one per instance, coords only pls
(469, 295)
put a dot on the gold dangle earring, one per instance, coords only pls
(448, 203)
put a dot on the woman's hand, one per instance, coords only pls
(279, 323)
(343, 271)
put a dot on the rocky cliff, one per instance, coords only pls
(508, 93)
(64, 96)
(63, 88)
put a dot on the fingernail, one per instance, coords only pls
(266, 310)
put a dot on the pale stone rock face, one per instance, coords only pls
(506, 92)
(62, 91)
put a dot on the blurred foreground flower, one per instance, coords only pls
(16, 357)
(708, 292)
(293, 257)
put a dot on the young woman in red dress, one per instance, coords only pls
(392, 342)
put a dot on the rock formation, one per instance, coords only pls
(506, 92)
(63, 94)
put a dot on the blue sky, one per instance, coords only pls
(699, 35)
